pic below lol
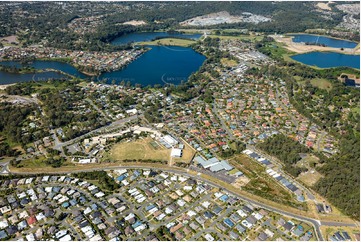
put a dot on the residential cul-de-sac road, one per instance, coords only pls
(316, 223)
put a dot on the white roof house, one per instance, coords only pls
(176, 153)
(131, 111)
(170, 140)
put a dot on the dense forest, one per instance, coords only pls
(11, 123)
(105, 182)
(48, 23)
(286, 150)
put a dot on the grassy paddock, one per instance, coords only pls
(141, 149)
(321, 83)
(169, 41)
(188, 153)
(261, 184)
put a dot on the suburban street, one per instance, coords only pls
(59, 145)
(316, 223)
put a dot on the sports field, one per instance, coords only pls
(141, 149)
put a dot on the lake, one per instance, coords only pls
(10, 78)
(159, 65)
(41, 65)
(330, 42)
(149, 36)
(328, 59)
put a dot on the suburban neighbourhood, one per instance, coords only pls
(181, 121)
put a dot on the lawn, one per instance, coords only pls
(330, 230)
(321, 83)
(141, 149)
(34, 163)
(228, 62)
(169, 41)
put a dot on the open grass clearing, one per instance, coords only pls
(261, 184)
(169, 41)
(35, 163)
(330, 230)
(140, 149)
(239, 37)
(308, 178)
(321, 83)
(228, 63)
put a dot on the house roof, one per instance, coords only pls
(31, 220)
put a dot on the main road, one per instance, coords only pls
(316, 223)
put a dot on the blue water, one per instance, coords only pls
(328, 59)
(149, 36)
(330, 42)
(160, 65)
(40, 65)
(9, 78)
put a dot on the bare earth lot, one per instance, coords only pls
(302, 48)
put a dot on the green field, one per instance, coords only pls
(39, 163)
(141, 149)
(169, 41)
(321, 83)
(239, 37)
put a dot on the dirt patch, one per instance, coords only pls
(224, 17)
(323, 6)
(302, 48)
(309, 178)
(135, 22)
(10, 39)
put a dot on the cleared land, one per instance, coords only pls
(141, 149)
(240, 37)
(135, 22)
(309, 178)
(302, 48)
(321, 83)
(169, 41)
(11, 40)
(323, 6)
(229, 63)
(261, 184)
(223, 17)
(34, 163)
(187, 156)
(328, 231)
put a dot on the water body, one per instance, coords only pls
(10, 78)
(160, 65)
(330, 42)
(328, 59)
(149, 36)
(41, 65)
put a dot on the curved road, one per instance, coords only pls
(316, 223)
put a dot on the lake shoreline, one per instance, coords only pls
(300, 48)
(327, 36)
(323, 60)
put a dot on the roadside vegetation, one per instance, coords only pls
(326, 108)
(261, 184)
